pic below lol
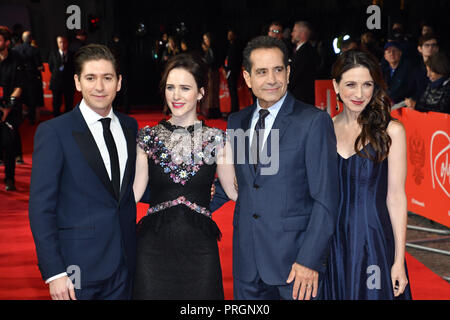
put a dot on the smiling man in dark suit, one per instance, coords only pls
(287, 204)
(61, 66)
(82, 209)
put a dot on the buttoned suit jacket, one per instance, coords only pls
(75, 218)
(289, 216)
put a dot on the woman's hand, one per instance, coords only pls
(410, 103)
(141, 175)
(399, 279)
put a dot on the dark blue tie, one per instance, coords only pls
(113, 156)
(259, 131)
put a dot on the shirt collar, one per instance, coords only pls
(299, 45)
(274, 109)
(91, 117)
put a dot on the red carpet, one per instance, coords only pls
(20, 278)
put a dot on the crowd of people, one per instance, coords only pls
(295, 236)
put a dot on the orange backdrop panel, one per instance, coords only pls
(428, 177)
(48, 97)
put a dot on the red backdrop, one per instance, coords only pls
(244, 94)
(48, 96)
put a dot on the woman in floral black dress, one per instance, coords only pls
(177, 256)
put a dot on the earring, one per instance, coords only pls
(337, 101)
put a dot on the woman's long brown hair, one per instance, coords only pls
(376, 116)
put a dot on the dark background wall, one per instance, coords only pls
(47, 18)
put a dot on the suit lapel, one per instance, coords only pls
(246, 126)
(281, 123)
(130, 137)
(89, 149)
(282, 120)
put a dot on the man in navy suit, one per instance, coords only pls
(82, 208)
(287, 205)
(61, 66)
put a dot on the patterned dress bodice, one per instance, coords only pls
(181, 163)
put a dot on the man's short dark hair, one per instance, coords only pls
(427, 37)
(276, 23)
(92, 52)
(5, 33)
(439, 63)
(263, 42)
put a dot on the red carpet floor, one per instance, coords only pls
(20, 278)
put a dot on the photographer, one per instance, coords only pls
(11, 80)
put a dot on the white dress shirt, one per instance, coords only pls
(95, 126)
(299, 45)
(270, 119)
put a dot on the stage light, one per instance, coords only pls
(336, 48)
(94, 23)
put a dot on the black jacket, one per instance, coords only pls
(398, 86)
(303, 73)
(436, 99)
(62, 71)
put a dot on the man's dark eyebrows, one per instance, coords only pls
(260, 69)
(102, 74)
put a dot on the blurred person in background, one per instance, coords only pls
(304, 63)
(79, 41)
(396, 72)
(11, 83)
(32, 95)
(232, 68)
(437, 94)
(61, 66)
(171, 50)
(370, 44)
(210, 105)
(427, 46)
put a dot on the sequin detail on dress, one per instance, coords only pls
(177, 151)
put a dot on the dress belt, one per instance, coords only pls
(180, 200)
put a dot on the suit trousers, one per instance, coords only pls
(10, 144)
(7, 146)
(68, 94)
(232, 87)
(259, 290)
(116, 287)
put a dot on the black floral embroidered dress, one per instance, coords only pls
(177, 256)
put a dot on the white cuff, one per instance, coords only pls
(56, 277)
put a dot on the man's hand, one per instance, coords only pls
(236, 186)
(213, 190)
(410, 103)
(62, 289)
(306, 280)
(5, 112)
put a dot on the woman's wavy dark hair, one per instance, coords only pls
(376, 116)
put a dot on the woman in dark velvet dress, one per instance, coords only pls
(367, 251)
(177, 252)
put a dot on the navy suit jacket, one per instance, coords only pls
(74, 216)
(289, 216)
